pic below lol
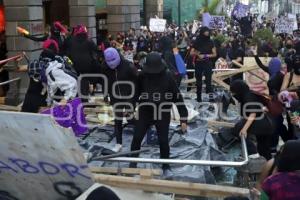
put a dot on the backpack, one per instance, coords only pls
(67, 66)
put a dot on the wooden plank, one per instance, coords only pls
(213, 123)
(221, 83)
(2, 100)
(39, 159)
(126, 171)
(257, 79)
(10, 108)
(163, 186)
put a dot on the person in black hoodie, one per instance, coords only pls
(245, 25)
(85, 57)
(157, 91)
(122, 95)
(166, 48)
(254, 121)
(205, 51)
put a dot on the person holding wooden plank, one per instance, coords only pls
(254, 121)
(205, 51)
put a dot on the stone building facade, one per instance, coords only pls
(34, 14)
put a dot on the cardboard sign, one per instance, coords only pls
(284, 25)
(254, 82)
(39, 159)
(294, 19)
(240, 10)
(157, 25)
(217, 22)
(195, 26)
(206, 17)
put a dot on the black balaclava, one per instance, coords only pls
(203, 38)
(289, 159)
(239, 89)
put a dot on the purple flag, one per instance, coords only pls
(70, 116)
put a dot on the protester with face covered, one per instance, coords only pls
(57, 32)
(274, 69)
(205, 51)
(254, 121)
(122, 95)
(157, 91)
(286, 183)
(84, 54)
(142, 45)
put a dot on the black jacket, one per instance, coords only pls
(83, 53)
(161, 89)
(124, 72)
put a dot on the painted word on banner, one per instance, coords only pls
(39, 159)
(284, 25)
(157, 25)
(217, 22)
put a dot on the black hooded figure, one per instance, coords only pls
(205, 51)
(166, 44)
(157, 92)
(254, 121)
(85, 56)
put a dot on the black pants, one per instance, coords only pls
(119, 115)
(280, 130)
(203, 68)
(144, 122)
(263, 130)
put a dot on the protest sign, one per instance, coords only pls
(294, 19)
(206, 17)
(195, 26)
(240, 10)
(157, 25)
(217, 22)
(256, 84)
(39, 159)
(284, 25)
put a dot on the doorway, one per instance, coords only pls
(56, 10)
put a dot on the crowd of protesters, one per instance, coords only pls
(122, 56)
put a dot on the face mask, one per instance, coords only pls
(288, 46)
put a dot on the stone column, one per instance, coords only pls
(123, 15)
(29, 15)
(153, 8)
(84, 12)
